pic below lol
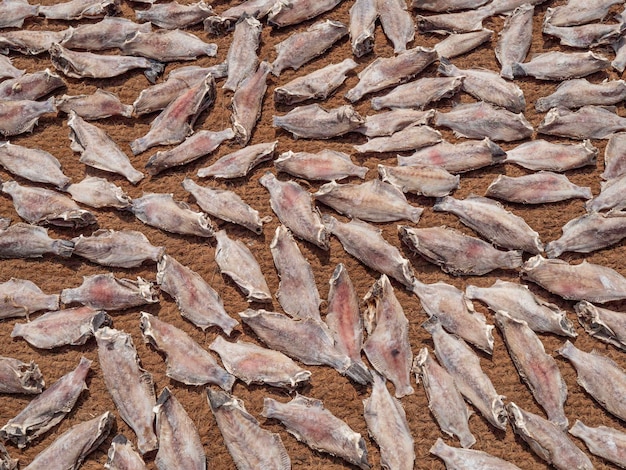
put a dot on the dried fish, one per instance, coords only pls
(314, 122)
(578, 12)
(606, 325)
(14, 12)
(611, 196)
(30, 86)
(106, 292)
(20, 297)
(389, 122)
(98, 150)
(99, 192)
(110, 32)
(363, 15)
(124, 248)
(542, 155)
(448, 5)
(296, 11)
(325, 165)
(236, 261)
(242, 57)
(20, 377)
(515, 39)
(29, 41)
(33, 164)
(466, 459)
(247, 101)
(461, 22)
(79, 9)
(196, 299)
(239, 163)
(619, 47)
(250, 445)
(167, 46)
(6, 462)
(308, 420)
(123, 456)
(409, 138)
(614, 157)
(585, 36)
(427, 180)
(102, 104)
(7, 70)
(557, 65)
(172, 15)
(419, 93)
(226, 20)
(396, 22)
(606, 442)
(22, 240)
(537, 188)
(162, 211)
(17, 117)
(457, 44)
(580, 92)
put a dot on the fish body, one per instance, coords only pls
(606, 325)
(419, 93)
(238, 164)
(33, 164)
(242, 59)
(167, 46)
(124, 248)
(409, 138)
(20, 116)
(22, 240)
(123, 456)
(557, 65)
(598, 123)
(537, 188)
(79, 9)
(99, 192)
(577, 12)
(614, 157)
(457, 44)
(326, 165)
(426, 180)
(540, 155)
(20, 297)
(13, 13)
(247, 101)
(391, 122)
(606, 442)
(515, 39)
(110, 32)
(397, 23)
(363, 15)
(20, 377)
(173, 15)
(468, 459)
(102, 104)
(314, 122)
(30, 86)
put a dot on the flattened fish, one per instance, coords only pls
(615, 157)
(419, 93)
(33, 164)
(314, 122)
(124, 248)
(396, 22)
(17, 117)
(247, 101)
(549, 156)
(20, 377)
(110, 32)
(466, 459)
(557, 65)
(239, 163)
(606, 325)
(580, 92)
(390, 122)
(296, 11)
(225, 21)
(325, 165)
(585, 36)
(410, 138)
(7, 70)
(458, 22)
(29, 241)
(30, 86)
(427, 180)
(606, 442)
(14, 12)
(537, 188)
(79, 9)
(578, 12)
(588, 122)
(611, 196)
(457, 44)
(99, 192)
(242, 59)
(102, 104)
(172, 15)
(515, 39)
(446, 5)
(167, 46)
(20, 297)
(123, 456)
(363, 15)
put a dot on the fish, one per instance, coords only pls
(297, 292)
(445, 402)
(325, 165)
(21, 297)
(123, 248)
(22, 240)
(457, 158)
(14, 12)
(300, 48)
(197, 301)
(520, 303)
(426, 180)
(242, 59)
(131, 387)
(363, 16)
(606, 442)
(390, 122)
(387, 346)
(396, 22)
(99, 192)
(540, 154)
(31, 42)
(448, 5)
(386, 72)
(247, 102)
(585, 36)
(108, 33)
(547, 440)
(457, 253)
(491, 220)
(611, 196)
(536, 368)
(18, 117)
(366, 243)
(70, 326)
(226, 20)
(238, 164)
(176, 121)
(20, 377)
(167, 46)
(8, 70)
(179, 441)
(173, 15)
(249, 445)
(293, 12)
(468, 459)
(619, 47)
(254, 364)
(79, 9)
(106, 292)
(457, 44)
(44, 206)
(419, 93)
(409, 138)
(123, 456)
(614, 157)
(294, 207)
(33, 164)
(579, 92)
(556, 65)
(315, 122)
(311, 423)
(458, 22)
(578, 12)
(537, 188)
(317, 85)
(162, 211)
(48, 409)
(236, 261)
(6, 462)
(372, 201)
(515, 39)
(98, 150)
(480, 120)
(74, 445)
(99, 105)
(30, 86)
(606, 325)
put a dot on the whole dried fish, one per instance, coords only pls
(162, 211)
(179, 441)
(22, 240)
(606, 325)
(325, 165)
(236, 261)
(447, 5)
(106, 292)
(20, 377)
(47, 409)
(110, 32)
(247, 101)
(585, 36)
(172, 15)
(467, 459)
(580, 92)
(294, 207)
(70, 326)
(611, 196)
(390, 122)
(547, 440)
(300, 48)
(196, 299)
(30, 86)
(17, 117)
(167, 46)
(99, 192)
(254, 364)
(363, 15)
(480, 120)
(578, 12)
(14, 12)
(102, 104)
(44, 206)
(249, 444)
(308, 420)
(396, 22)
(20, 297)
(520, 303)
(296, 11)
(557, 65)
(457, 44)
(427, 180)
(79, 9)
(239, 163)
(7, 70)
(33, 164)
(314, 122)
(226, 20)
(457, 253)
(599, 123)
(537, 188)
(542, 155)
(242, 57)
(410, 138)
(614, 157)
(606, 442)
(460, 22)
(123, 456)
(515, 39)
(130, 386)
(490, 219)
(419, 93)
(373, 201)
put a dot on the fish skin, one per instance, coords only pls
(315, 122)
(123, 248)
(7, 70)
(543, 155)
(390, 122)
(225, 21)
(130, 386)
(173, 15)
(22, 240)
(318, 85)
(456, 253)
(373, 201)
(106, 292)
(292, 12)
(236, 261)
(18, 117)
(99, 192)
(409, 138)
(300, 48)
(606, 325)
(162, 211)
(167, 46)
(560, 66)
(418, 93)
(457, 44)
(363, 15)
(396, 22)
(242, 56)
(584, 281)
(70, 448)
(197, 301)
(547, 440)
(250, 446)
(426, 180)
(537, 188)
(585, 36)
(459, 22)
(386, 72)
(20, 377)
(445, 402)
(579, 92)
(614, 157)
(387, 346)
(295, 209)
(79, 9)
(606, 442)
(491, 220)
(325, 165)
(480, 120)
(253, 364)
(467, 459)
(366, 243)
(457, 158)
(123, 456)
(519, 302)
(33, 164)
(13, 13)
(110, 32)
(247, 102)
(69, 326)
(179, 441)
(578, 12)
(238, 164)
(444, 6)
(47, 409)
(21, 297)
(611, 196)
(311, 423)
(30, 86)
(99, 105)
(515, 39)
(464, 366)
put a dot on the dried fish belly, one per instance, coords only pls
(110, 32)
(614, 157)
(20, 377)
(20, 297)
(561, 65)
